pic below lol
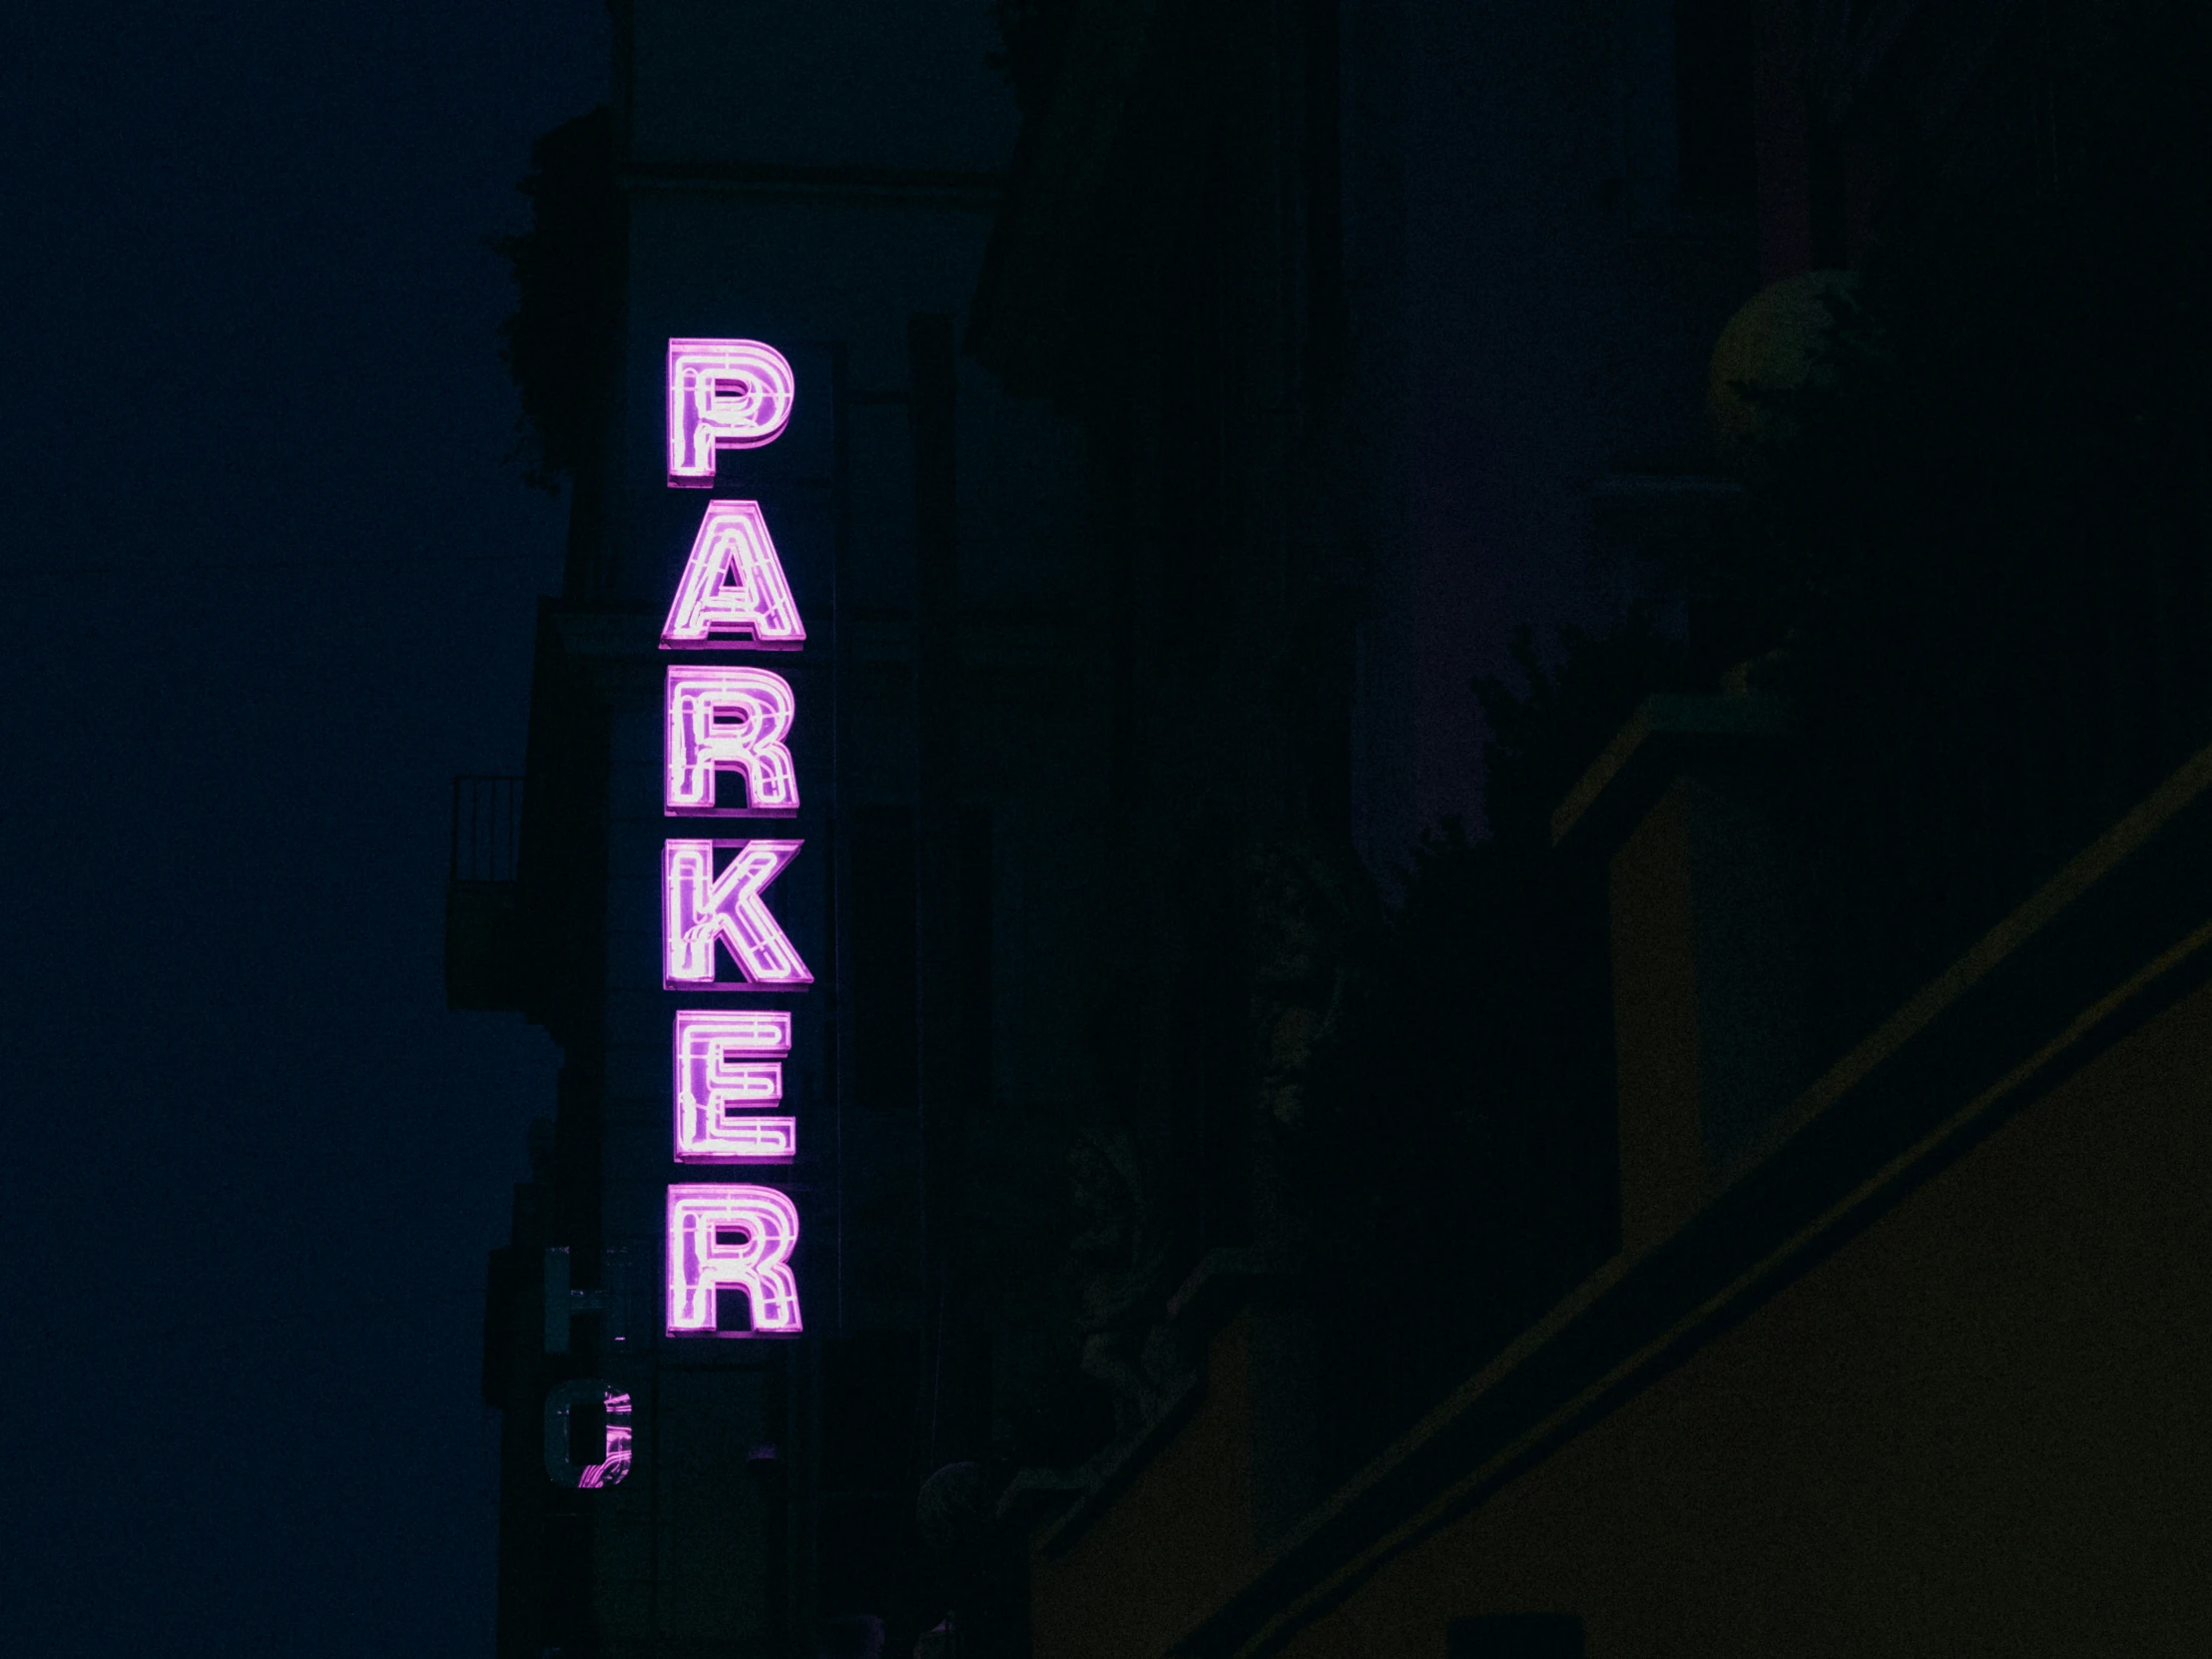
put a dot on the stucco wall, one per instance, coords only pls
(1981, 1427)
(1172, 1544)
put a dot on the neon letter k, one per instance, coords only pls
(698, 907)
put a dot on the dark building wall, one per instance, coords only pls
(1361, 309)
(1353, 315)
(1916, 1373)
(1536, 292)
(1546, 219)
(1972, 1430)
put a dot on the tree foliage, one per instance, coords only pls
(1030, 33)
(1470, 1131)
(563, 339)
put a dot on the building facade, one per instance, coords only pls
(1228, 1222)
(823, 184)
(1406, 324)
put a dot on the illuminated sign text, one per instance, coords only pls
(732, 589)
(735, 724)
(729, 719)
(740, 1237)
(703, 908)
(729, 1074)
(722, 394)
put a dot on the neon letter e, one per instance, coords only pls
(728, 1075)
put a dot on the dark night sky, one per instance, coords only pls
(252, 1165)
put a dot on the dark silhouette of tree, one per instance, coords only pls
(1469, 1103)
(563, 340)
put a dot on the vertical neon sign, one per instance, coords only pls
(729, 1062)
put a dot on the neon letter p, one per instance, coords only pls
(722, 394)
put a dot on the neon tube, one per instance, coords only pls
(700, 907)
(729, 719)
(733, 588)
(731, 1235)
(722, 394)
(723, 1086)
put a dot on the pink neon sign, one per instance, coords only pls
(728, 1064)
(739, 1235)
(729, 719)
(726, 1081)
(702, 908)
(722, 394)
(613, 1467)
(732, 587)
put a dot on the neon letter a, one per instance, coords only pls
(733, 586)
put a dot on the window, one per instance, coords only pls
(1514, 1636)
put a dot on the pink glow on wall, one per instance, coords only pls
(722, 1085)
(729, 719)
(722, 394)
(700, 907)
(733, 588)
(613, 1467)
(737, 1236)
